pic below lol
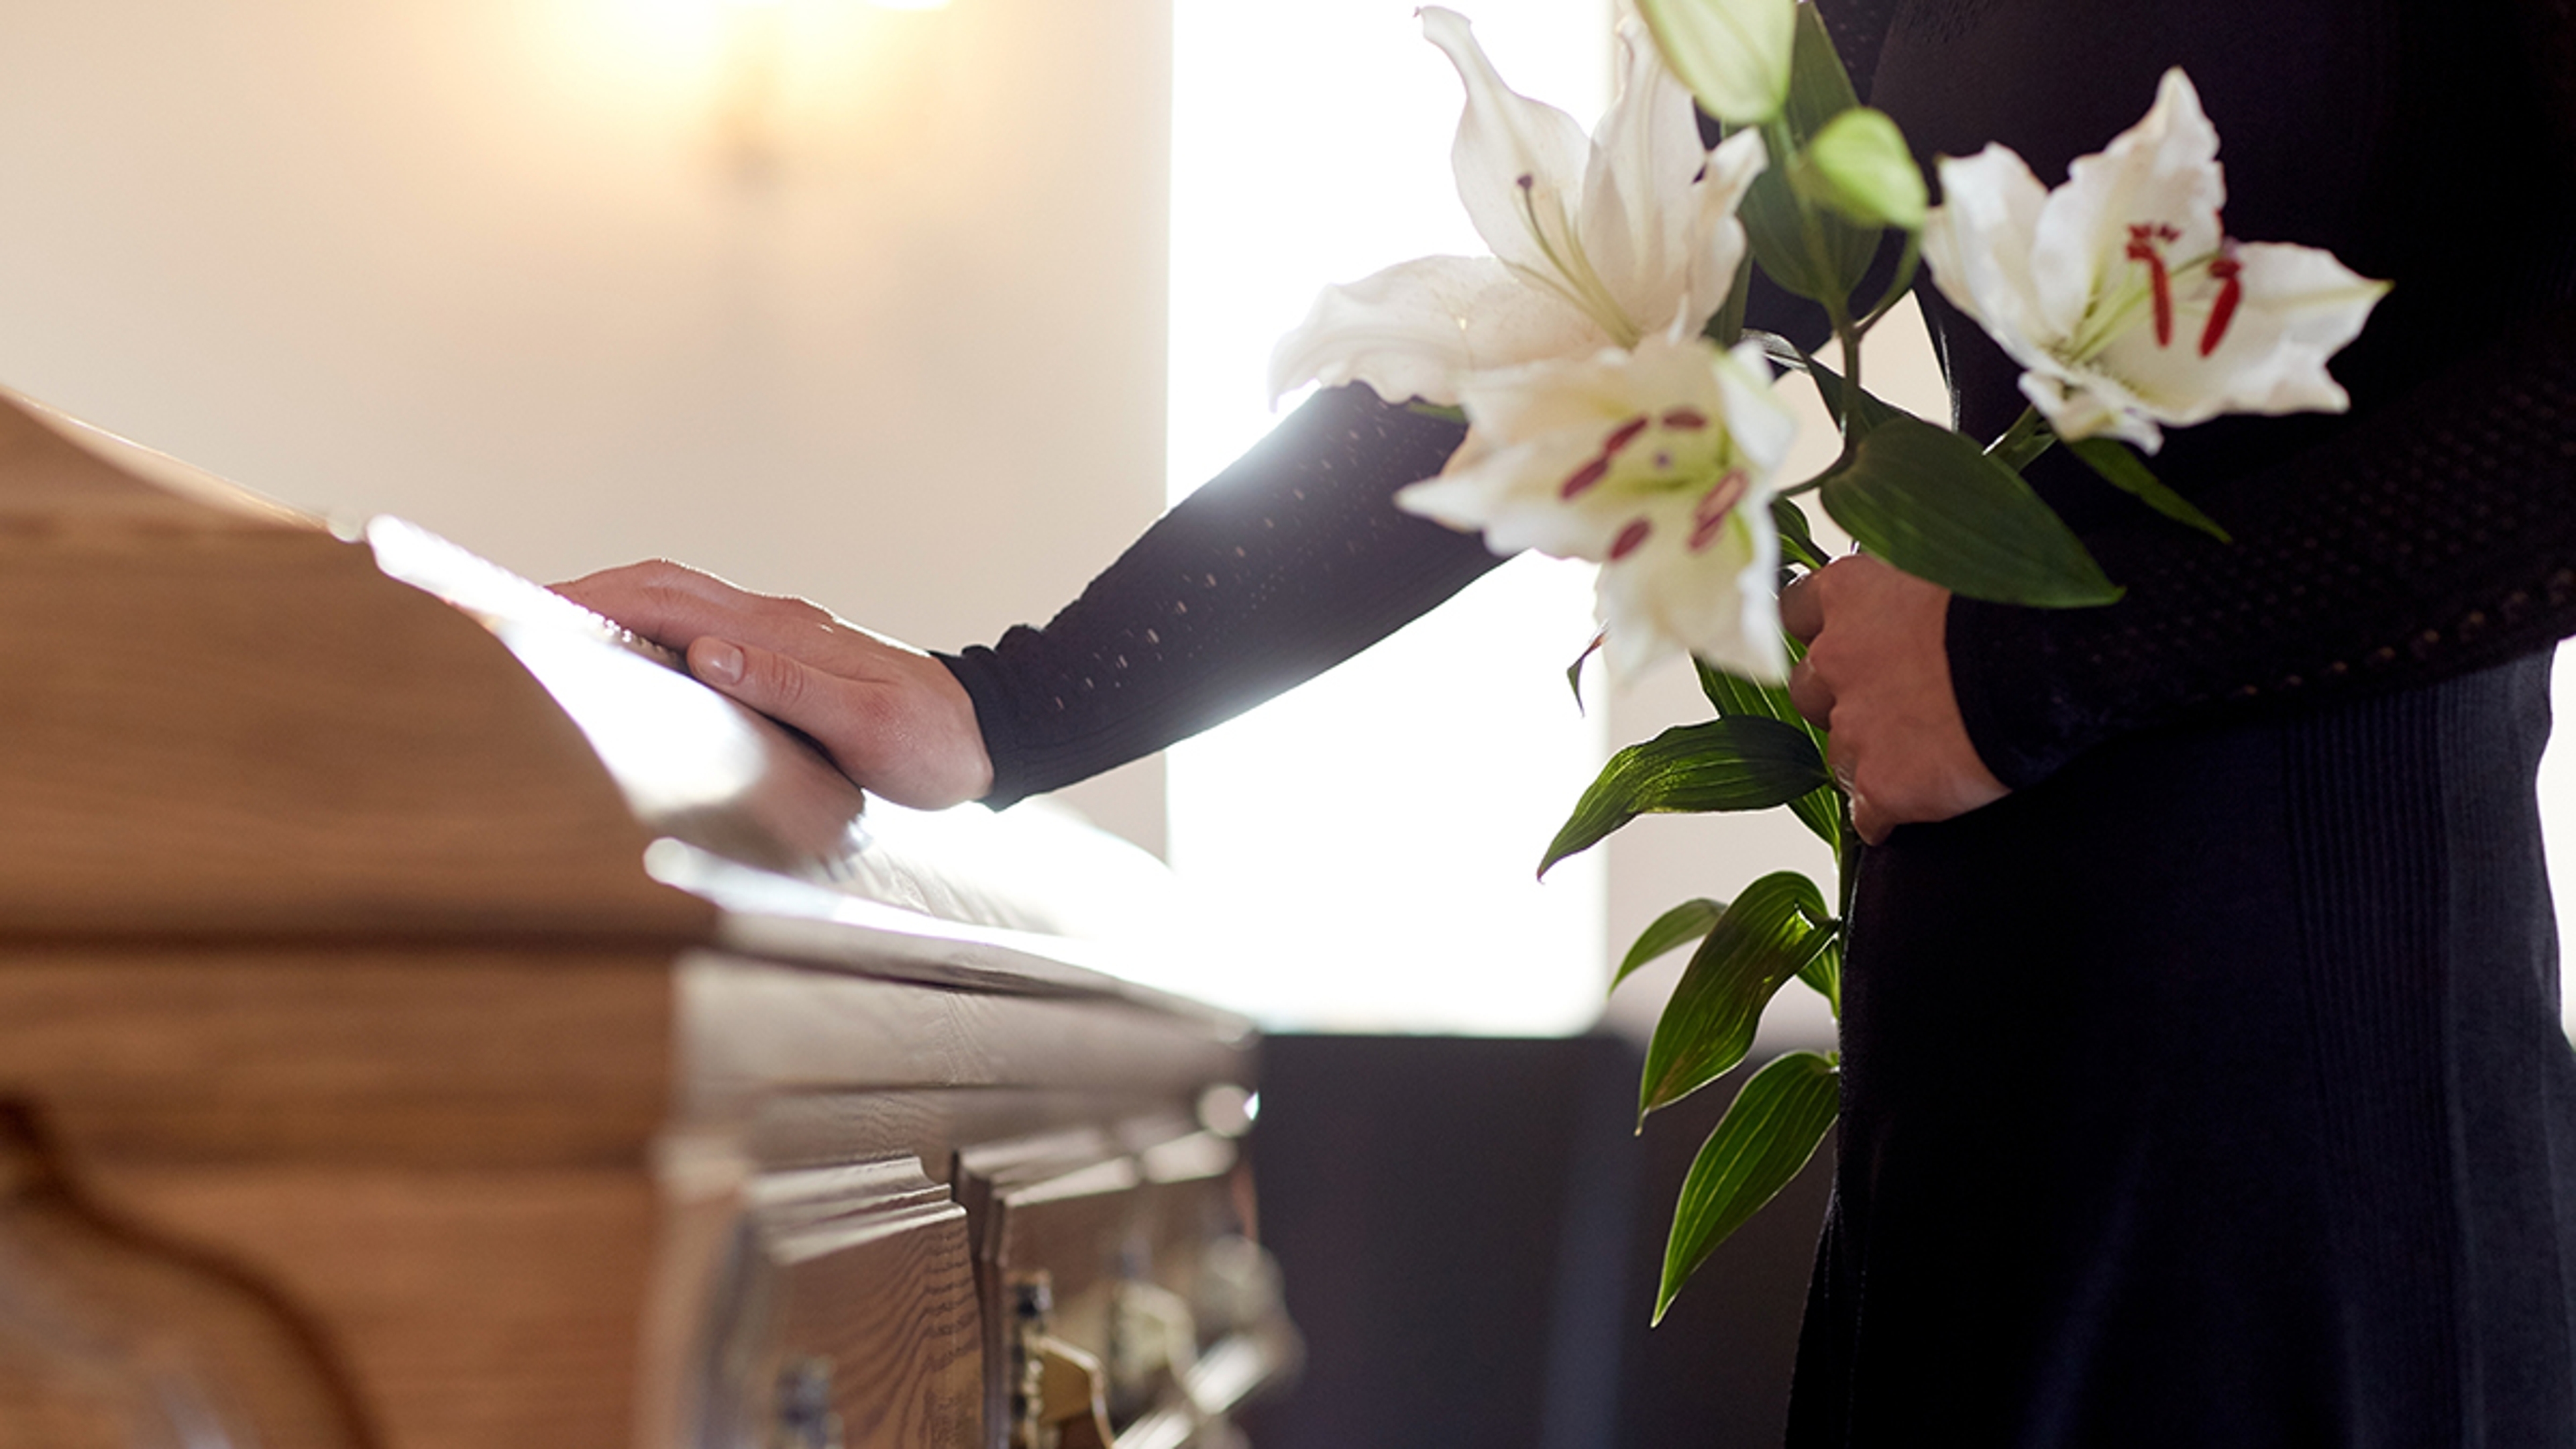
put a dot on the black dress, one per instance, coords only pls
(2209, 1089)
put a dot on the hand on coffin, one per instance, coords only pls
(893, 718)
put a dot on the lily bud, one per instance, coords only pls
(1733, 54)
(1858, 166)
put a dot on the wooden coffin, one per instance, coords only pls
(430, 1019)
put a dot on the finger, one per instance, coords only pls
(1810, 696)
(660, 600)
(1872, 822)
(1802, 610)
(764, 679)
(674, 605)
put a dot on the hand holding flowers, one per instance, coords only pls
(1618, 411)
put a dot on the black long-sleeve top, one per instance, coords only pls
(2429, 532)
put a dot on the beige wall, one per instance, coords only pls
(571, 283)
(867, 306)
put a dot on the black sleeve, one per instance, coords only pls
(2430, 533)
(2434, 537)
(1289, 562)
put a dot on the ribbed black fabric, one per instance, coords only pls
(2210, 1090)
(2212, 1094)
(2449, 545)
(1289, 562)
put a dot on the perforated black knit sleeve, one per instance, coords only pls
(1289, 562)
(2434, 537)
(2431, 533)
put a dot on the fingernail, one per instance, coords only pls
(720, 661)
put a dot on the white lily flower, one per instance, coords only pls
(1595, 241)
(2123, 297)
(1660, 464)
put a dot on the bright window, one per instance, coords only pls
(1369, 840)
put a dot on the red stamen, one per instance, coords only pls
(1584, 477)
(1629, 539)
(1622, 436)
(2143, 241)
(1710, 514)
(1688, 420)
(2223, 311)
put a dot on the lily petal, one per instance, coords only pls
(1411, 330)
(1645, 152)
(1717, 237)
(2163, 170)
(1519, 161)
(1657, 463)
(1978, 242)
(1717, 603)
(1509, 496)
(1762, 427)
(2080, 408)
(2121, 295)
(2298, 306)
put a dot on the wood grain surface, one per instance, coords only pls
(334, 953)
(875, 1290)
(756, 1028)
(420, 1058)
(470, 1308)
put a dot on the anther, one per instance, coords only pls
(1630, 538)
(2231, 291)
(2143, 243)
(1584, 477)
(1714, 506)
(1689, 420)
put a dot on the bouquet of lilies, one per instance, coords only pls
(1618, 410)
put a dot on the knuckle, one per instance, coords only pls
(781, 681)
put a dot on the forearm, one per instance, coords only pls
(1292, 560)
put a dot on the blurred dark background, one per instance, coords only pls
(1471, 1233)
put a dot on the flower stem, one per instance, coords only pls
(2027, 438)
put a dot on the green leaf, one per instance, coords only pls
(1768, 935)
(1926, 500)
(1819, 90)
(1767, 1135)
(1782, 352)
(1825, 974)
(1726, 324)
(1725, 764)
(2129, 473)
(1796, 541)
(1733, 54)
(1732, 695)
(1820, 810)
(1574, 671)
(1858, 166)
(1873, 409)
(1684, 923)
